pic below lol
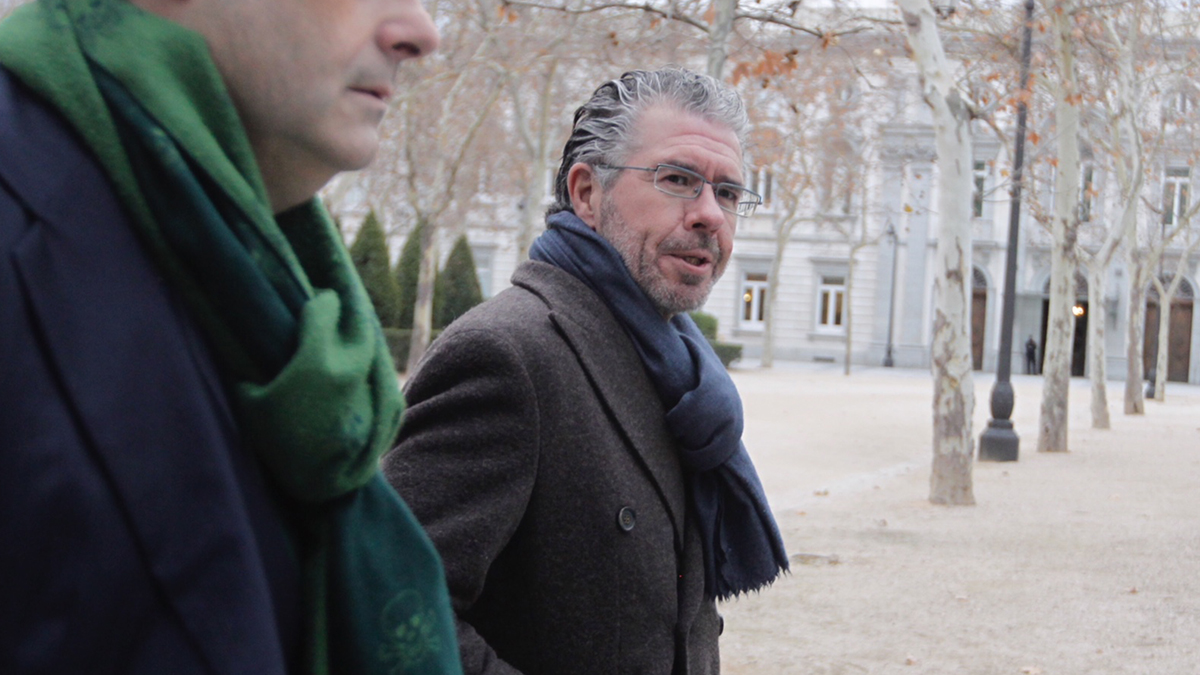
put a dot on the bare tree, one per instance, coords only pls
(791, 126)
(716, 19)
(953, 390)
(857, 235)
(1166, 293)
(541, 80)
(1117, 134)
(1139, 271)
(446, 100)
(536, 142)
(1060, 329)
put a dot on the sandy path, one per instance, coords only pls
(1083, 562)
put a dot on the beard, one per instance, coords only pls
(669, 297)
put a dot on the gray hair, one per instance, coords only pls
(604, 128)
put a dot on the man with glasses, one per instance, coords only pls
(573, 446)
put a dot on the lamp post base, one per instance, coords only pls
(999, 443)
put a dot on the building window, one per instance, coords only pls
(754, 301)
(831, 299)
(1175, 195)
(762, 181)
(1087, 190)
(1182, 102)
(837, 185)
(980, 179)
(483, 256)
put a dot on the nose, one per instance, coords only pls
(408, 32)
(705, 213)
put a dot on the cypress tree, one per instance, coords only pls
(407, 269)
(370, 255)
(457, 287)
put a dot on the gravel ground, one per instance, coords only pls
(1070, 563)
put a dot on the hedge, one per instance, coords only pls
(728, 352)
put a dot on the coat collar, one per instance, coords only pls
(617, 374)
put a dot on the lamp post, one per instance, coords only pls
(887, 356)
(999, 442)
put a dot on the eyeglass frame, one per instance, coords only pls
(758, 200)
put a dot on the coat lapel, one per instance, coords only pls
(617, 374)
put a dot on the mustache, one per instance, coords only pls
(700, 240)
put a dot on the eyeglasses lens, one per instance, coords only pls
(688, 184)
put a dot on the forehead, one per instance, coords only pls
(666, 134)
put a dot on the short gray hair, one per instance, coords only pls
(605, 126)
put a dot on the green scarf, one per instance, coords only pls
(296, 340)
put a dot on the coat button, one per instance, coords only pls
(626, 518)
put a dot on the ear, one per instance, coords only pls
(585, 192)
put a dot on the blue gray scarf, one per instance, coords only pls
(742, 547)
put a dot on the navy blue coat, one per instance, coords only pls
(138, 536)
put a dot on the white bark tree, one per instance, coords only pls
(1139, 277)
(1166, 294)
(1146, 250)
(953, 387)
(1060, 328)
(1118, 139)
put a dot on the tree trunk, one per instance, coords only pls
(1060, 333)
(537, 143)
(1097, 282)
(1135, 397)
(784, 225)
(953, 388)
(718, 36)
(531, 214)
(1164, 346)
(847, 314)
(768, 351)
(423, 310)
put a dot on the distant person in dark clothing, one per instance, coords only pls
(1031, 364)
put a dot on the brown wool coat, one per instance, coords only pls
(535, 453)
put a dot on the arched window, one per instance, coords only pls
(978, 279)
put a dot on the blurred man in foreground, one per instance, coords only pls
(194, 389)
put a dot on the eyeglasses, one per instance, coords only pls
(680, 182)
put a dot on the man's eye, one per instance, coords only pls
(728, 194)
(676, 178)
